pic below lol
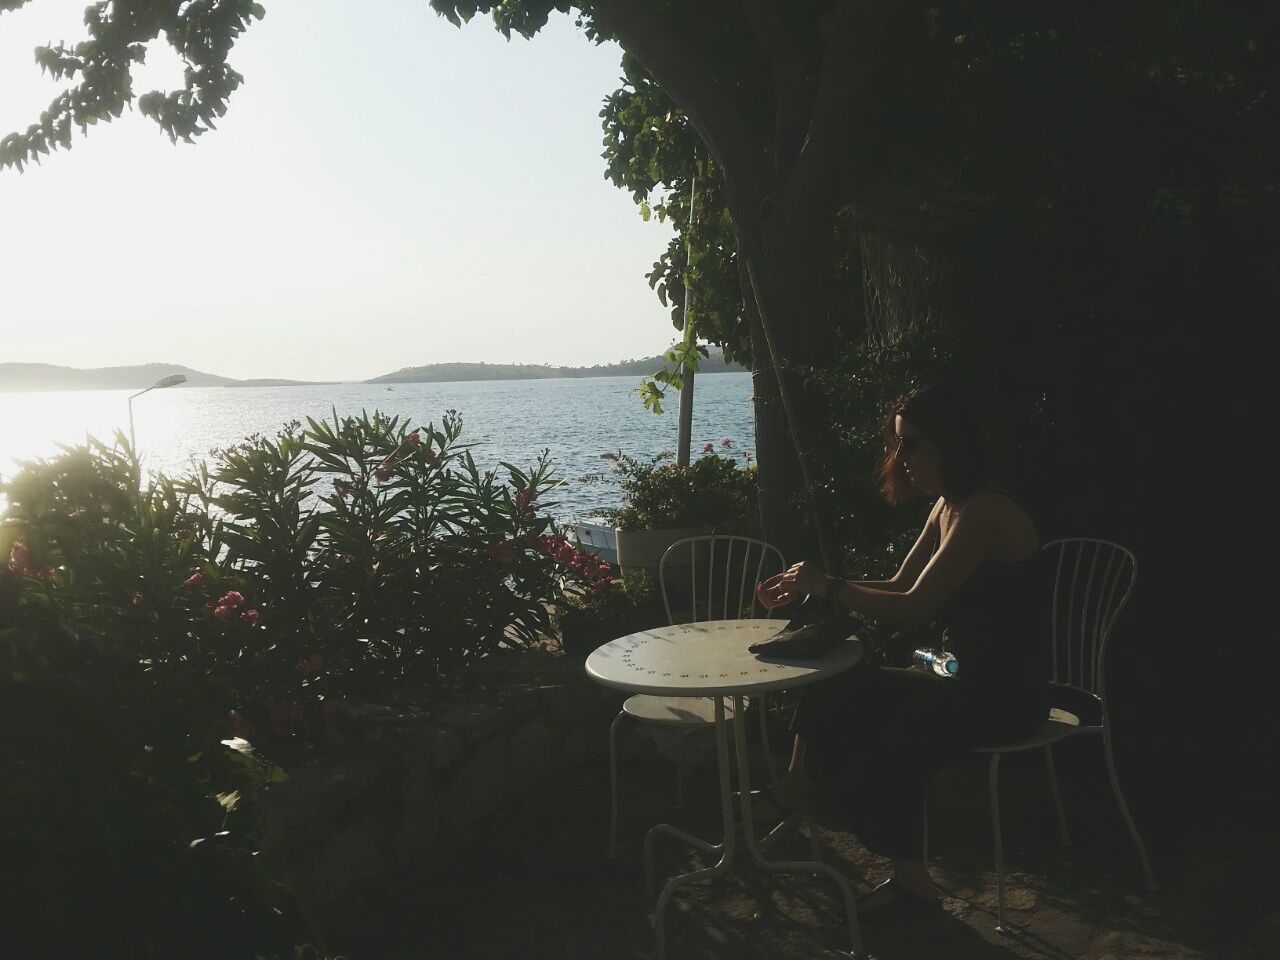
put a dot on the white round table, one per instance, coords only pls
(711, 659)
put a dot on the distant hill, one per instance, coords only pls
(22, 377)
(45, 376)
(452, 372)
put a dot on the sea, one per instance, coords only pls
(577, 420)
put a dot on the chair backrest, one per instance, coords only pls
(722, 572)
(1091, 583)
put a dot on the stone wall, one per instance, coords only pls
(401, 797)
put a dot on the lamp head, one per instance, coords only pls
(170, 381)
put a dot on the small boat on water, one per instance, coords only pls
(602, 541)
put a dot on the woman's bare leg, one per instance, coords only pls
(913, 876)
(794, 789)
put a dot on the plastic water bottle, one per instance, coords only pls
(941, 662)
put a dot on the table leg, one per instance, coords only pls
(783, 866)
(726, 859)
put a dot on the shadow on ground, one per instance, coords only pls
(535, 884)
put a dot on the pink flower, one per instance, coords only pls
(342, 490)
(710, 447)
(251, 616)
(195, 580)
(726, 442)
(19, 559)
(383, 473)
(222, 612)
(565, 554)
(502, 552)
(601, 585)
(414, 438)
(350, 558)
(46, 573)
(232, 599)
(525, 497)
(137, 599)
(432, 458)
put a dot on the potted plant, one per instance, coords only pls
(663, 502)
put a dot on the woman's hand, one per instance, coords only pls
(772, 593)
(800, 579)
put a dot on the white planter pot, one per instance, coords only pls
(643, 549)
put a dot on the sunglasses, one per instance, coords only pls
(907, 444)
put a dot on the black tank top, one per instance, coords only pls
(996, 622)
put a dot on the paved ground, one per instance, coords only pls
(535, 883)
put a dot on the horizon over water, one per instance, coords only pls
(513, 420)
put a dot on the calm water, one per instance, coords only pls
(506, 420)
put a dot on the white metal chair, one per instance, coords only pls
(1091, 584)
(724, 600)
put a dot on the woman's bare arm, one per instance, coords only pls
(773, 594)
(914, 562)
(968, 540)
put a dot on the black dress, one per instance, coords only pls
(874, 736)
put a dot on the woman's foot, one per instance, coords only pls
(792, 794)
(912, 876)
(894, 897)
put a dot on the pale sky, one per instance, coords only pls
(386, 190)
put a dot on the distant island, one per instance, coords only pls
(30, 377)
(454, 372)
(23, 377)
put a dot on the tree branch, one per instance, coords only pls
(663, 51)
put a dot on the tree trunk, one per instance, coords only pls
(787, 276)
(782, 519)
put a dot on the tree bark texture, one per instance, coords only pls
(783, 187)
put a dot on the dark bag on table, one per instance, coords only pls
(818, 627)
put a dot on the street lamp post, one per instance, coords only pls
(685, 426)
(170, 381)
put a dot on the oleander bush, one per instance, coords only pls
(339, 560)
(160, 635)
(127, 824)
(587, 618)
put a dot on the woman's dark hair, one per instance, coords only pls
(948, 415)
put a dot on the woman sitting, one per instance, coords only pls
(869, 740)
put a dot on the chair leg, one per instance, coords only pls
(613, 786)
(815, 840)
(680, 775)
(924, 832)
(1063, 836)
(764, 741)
(1124, 808)
(995, 830)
